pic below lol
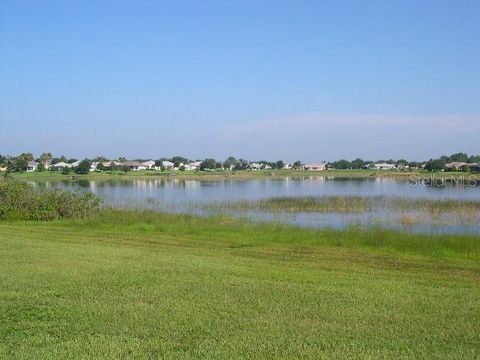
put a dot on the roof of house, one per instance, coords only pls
(455, 164)
(323, 164)
(32, 163)
(61, 164)
(148, 163)
(167, 163)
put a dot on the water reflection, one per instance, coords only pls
(174, 194)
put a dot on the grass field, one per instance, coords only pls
(145, 285)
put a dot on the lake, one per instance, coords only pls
(194, 196)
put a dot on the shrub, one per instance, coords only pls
(19, 201)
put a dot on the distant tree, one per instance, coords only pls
(41, 167)
(279, 164)
(122, 159)
(100, 166)
(125, 168)
(208, 164)
(357, 163)
(435, 164)
(182, 168)
(25, 157)
(242, 164)
(342, 164)
(297, 165)
(230, 163)
(45, 158)
(177, 160)
(83, 167)
(72, 160)
(458, 157)
(66, 170)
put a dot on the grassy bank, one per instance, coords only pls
(219, 175)
(146, 285)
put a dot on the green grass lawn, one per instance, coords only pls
(144, 285)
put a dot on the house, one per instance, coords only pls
(316, 167)
(32, 166)
(195, 165)
(109, 165)
(255, 166)
(93, 166)
(75, 163)
(134, 165)
(382, 166)
(149, 165)
(60, 166)
(288, 166)
(455, 166)
(168, 165)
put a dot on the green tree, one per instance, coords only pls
(230, 163)
(83, 167)
(279, 164)
(45, 158)
(208, 164)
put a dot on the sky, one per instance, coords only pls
(292, 80)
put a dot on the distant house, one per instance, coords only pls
(134, 165)
(194, 165)
(60, 166)
(255, 166)
(93, 166)
(149, 165)
(288, 166)
(75, 163)
(455, 166)
(168, 165)
(109, 165)
(316, 167)
(382, 166)
(32, 166)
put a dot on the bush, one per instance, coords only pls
(19, 201)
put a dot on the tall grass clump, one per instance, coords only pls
(19, 201)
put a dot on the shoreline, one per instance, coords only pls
(247, 175)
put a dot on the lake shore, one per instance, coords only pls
(245, 175)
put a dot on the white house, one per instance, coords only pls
(288, 166)
(134, 165)
(32, 166)
(168, 165)
(111, 164)
(75, 163)
(255, 166)
(382, 166)
(93, 166)
(149, 165)
(194, 165)
(316, 167)
(60, 166)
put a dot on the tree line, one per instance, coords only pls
(19, 163)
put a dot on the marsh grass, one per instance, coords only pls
(349, 204)
(20, 201)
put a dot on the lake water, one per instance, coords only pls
(182, 195)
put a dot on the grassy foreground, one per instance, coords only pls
(145, 285)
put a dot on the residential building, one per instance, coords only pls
(316, 167)
(149, 165)
(32, 166)
(455, 166)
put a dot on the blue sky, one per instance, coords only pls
(310, 80)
